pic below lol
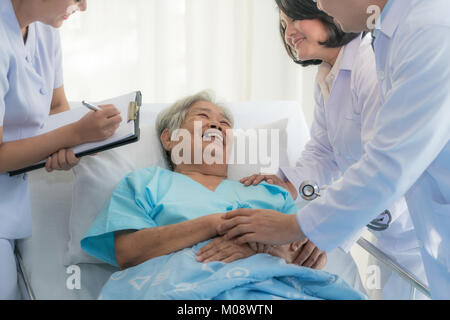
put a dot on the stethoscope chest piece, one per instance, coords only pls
(309, 190)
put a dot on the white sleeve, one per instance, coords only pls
(317, 162)
(415, 116)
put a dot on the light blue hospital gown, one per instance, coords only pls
(156, 197)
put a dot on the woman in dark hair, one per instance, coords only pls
(324, 33)
(347, 103)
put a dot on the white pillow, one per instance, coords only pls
(97, 177)
(95, 180)
(279, 158)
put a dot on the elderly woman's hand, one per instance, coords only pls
(223, 250)
(270, 179)
(308, 255)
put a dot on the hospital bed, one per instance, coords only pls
(48, 266)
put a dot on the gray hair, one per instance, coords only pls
(172, 118)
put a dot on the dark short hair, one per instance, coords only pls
(307, 10)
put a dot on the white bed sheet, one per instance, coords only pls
(51, 198)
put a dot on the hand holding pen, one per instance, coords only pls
(98, 125)
(95, 126)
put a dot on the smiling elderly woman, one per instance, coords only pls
(158, 221)
(198, 190)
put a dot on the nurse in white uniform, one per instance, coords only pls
(409, 154)
(31, 88)
(347, 102)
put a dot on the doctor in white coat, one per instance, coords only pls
(409, 154)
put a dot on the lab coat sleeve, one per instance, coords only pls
(4, 84)
(59, 81)
(317, 162)
(411, 129)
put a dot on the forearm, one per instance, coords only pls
(135, 248)
(16, 155)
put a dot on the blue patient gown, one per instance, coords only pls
(157, 197)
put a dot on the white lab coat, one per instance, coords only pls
(343, 125)
(409, 154)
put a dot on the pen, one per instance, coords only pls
(90, 106)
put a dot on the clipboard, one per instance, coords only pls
(133, 115)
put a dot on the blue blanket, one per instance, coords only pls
(179, 276)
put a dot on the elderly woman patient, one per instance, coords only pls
(160, 226)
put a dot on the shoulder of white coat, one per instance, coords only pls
(427, 13)
(427, 19)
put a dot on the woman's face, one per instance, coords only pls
(210, 133)
(304, 37)
(55, 12)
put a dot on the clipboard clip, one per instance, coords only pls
(134, 106)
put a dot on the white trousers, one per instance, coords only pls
(8, 271)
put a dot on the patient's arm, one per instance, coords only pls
(135, 247)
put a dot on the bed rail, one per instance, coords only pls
(392, 264)
(23, 274)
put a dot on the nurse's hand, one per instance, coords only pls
(99, 125)
(270, 179)
(308, 255)
(222, 250)
(263, 226)
(63, 160)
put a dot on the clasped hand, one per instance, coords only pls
(303, 253)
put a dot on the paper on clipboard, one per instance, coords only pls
(123, 135)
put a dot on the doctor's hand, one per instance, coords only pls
(270, 179)
(99, 125)
(223, 250)
(263, 226)
(61, 160)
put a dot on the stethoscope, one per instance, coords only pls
(310, 191)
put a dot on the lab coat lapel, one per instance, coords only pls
(340, 95)
(383, 43)
(337, 101)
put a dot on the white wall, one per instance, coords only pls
(171, 48)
